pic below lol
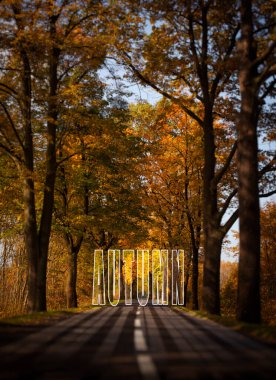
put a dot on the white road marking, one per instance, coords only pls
(147, 367)
(139, 340)
(144, 360)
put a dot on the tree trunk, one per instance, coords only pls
(186, 284)
(195, 239)
(212, 240)
(211, 277)
(122, 280)
(51, 168)
(30, 225)
(71, 286)
(31, 244)
(105, 285)
(195, 280)
(72, 266)
(248, 303)
(37, 244)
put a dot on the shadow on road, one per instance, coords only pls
(134, 342)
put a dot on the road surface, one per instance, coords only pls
(131, 342)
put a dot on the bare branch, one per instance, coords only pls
(230, 222)
(177, 101)
(226, 56)
(227, 203)
(10, 152)
(265, 55)
(266, 74)
(192, 44)
(235, 215)
(225, 167)
(66, 159)
(12, 125)
(264, 28)
(268, 89)
(266, 195)
(8, 88)
(192, 88)
(9, 69)
(269, 167)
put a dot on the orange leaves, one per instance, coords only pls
(174, 158)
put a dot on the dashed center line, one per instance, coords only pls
(144, 360)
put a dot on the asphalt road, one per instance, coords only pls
(131, 342)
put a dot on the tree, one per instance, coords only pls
(172, 180)
(94, 201)
(256, 68)
(194, 45)
(40, 48)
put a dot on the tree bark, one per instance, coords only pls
(71, 286)
(211, 227)
(51, 168)
(31, 243)
(37, 243)
(211, 276)
(186, 282)
(248, 302)
(72, 266)
(195, 249)
(195, 280)
(122, 280)
(30, 224)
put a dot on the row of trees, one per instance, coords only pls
(61, 132)
(200, 55)
(103, 174)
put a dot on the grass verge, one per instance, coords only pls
(44, 317)
(261, 332)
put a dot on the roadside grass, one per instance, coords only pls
(44, 317)
(47, 317)
(262, 332)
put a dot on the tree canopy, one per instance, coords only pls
(82, 167)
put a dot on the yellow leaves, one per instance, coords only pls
(129, 267)
(72, 93)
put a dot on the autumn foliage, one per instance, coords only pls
(84, 166)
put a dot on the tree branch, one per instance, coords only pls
(8, 88)
(235, 214)
(265, 55)
(12, 125)
(192, 43)
(225, 167)
(268, 89)
(269, 167)
(66, 159)
(227, 203)
(10, 152)
(192, 88)
(226, 227)
(226, 56)
(264, 28)
(162, 92)
(267, 73)
(266, 195)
